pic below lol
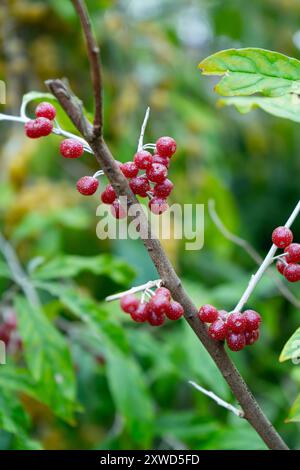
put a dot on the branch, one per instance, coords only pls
(255, 278)
(218, 400)
(95, 64)
(167, 274)
(251, 252)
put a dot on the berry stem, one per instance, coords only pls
(143, 129)
(218, 400)
(255, 278)
(133, 290)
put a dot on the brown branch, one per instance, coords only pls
(251, 252)
(251, 409)
(95, 64)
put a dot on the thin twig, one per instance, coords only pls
(283, 289)
(218, 400)
(142, 288)
(143, 129)
(255, 278)
(95, 64)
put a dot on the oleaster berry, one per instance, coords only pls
(160, 304)
(71, 148)
(158, 205)
(40, 127)
(253, 320)
(143, 159)
(163, 189)
(208, 313)
(153, 318)
(157, 173)
(140, 314)
(163, 291)
(129, 303)
(175, 311)
(218, 330)
(251, 337)
(140, 186)
(236, 341)
(165, 161)
(109, 195)
(45, 110)
(166, 146)
(236, 322)
(117, 210)
(87, 185)
(280, 266)
(282, 237)
(292, 272)
(129, 169)
(292, 253)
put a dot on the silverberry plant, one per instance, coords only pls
(250, 78)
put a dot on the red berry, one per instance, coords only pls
(236, 322)
(71, 148)
(129, 303)
(153, 318)
(160, 304)
(157, 173)
(175, 311)
(45, 110)
(251, 337)
(165, 161)
(129, 169)
(282, 237)
(10, 320)
(140, 315)
(293, 253)
(166, 146)
(163, 291)
(158, 205)
(109, 195)
(117, 210)
(292, 272)
(40, 127)
(218, 330)
(140, 186)
(208, 313)
(280, 265)
(87, 185)
(223, 314)
(236, 341)
(163, 189)
(4, 333)
(253, 320)
(143, 159)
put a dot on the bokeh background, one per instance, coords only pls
(131, 381)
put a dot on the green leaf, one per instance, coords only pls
(131, 397)
(287, 106)
(252, 70)
(294, 414)
(291, 348)
(90, 313)
(70, 266)
(46, 353)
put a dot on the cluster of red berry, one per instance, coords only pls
(288, 265)
(42, 125)
(155, 311)
(155, 169)
(238, 329)
(8, 332)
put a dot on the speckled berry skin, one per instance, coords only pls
(253, 320)
(87, 185)
(140, 186)
(163, 189)
(292, 253)
(165, 161)
(292, 272)
(143, 159)
(157, 173)
(45, 110)
(175, 311)
(280, 266)
(152, 317)
(160, 304)
(158, 205)
(163, 291)
(40, 127)
(251, 337)
(129, 169)
(129, 303)
(140, 314)
(282, 237)
(236, 341)
(218, 330)
(109, 195)
(71, 148)
(117, 210)
(236, 322)
(166, 146)
(208, 313)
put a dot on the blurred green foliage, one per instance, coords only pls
(89, 378)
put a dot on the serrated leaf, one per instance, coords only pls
(291, 348)
(70, 266)
(46, 352)
(253, 70)
(294, 414)
(287, 106)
